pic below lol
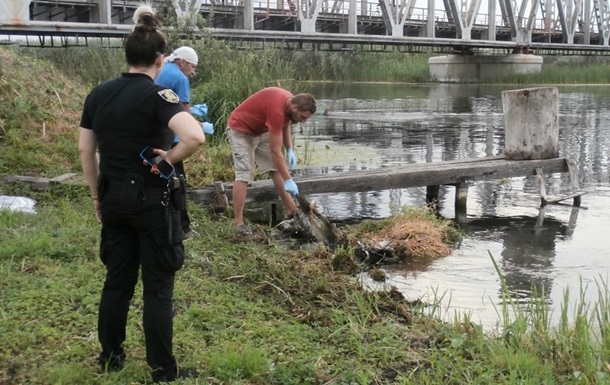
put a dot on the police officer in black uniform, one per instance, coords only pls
(137, 206)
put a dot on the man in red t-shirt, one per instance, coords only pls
(258, 128)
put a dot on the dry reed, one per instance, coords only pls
(414, 238)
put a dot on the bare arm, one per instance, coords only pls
(191, 136)
(87, 148)
(287, 136)
(275, 145)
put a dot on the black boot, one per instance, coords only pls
(112, 363)
(173, 374)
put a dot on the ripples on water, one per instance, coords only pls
(377, 126)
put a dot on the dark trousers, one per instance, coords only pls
(147, 235)
(185, 221)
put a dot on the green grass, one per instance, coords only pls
(245, 311)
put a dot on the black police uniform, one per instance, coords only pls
(185, 220)
(140, 223)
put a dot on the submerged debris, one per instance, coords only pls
(375, 253)
(377, 274)
(309, 222)
(414, 234)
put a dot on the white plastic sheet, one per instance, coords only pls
(21, 204)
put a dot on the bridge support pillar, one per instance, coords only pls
(15, 11)
(103, 13)
(308, 25)
(456, 68)
(352, 18)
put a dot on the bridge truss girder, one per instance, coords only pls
(566, 16)
(571, 21)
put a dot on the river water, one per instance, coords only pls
(553, 249)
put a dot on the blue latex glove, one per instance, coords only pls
(291, 187)
(200, 110)
(292, 159)
(208, 128)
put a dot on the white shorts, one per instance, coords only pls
(248, 152)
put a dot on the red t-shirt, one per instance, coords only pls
(261, 112)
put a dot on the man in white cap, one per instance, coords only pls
(178, 66)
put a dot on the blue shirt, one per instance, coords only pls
(171, 77)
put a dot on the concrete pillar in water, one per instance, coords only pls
(459, 68)
(531, 123)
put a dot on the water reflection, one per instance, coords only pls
(445, 124)
(528, 249)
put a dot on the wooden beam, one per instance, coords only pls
(574, 180)
(432, 193)
(575, 195)
(413, 175)
(461, 200)
(541, 183)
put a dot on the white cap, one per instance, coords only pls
(185, 53)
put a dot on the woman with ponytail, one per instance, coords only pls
(126, 120)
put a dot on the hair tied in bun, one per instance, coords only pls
(143, 10)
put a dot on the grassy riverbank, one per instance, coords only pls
(248, 311)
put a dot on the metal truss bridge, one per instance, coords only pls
(579, 27)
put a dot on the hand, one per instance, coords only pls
(98, 211)
(208, 128)
(292, 159)
(153, 156)
(291, 187)
(160, 165)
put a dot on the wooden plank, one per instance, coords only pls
(36, 183)
(575, 181)
(541, 183)
(461, 201)
(413, 175)
(221, 195)
(577, 194)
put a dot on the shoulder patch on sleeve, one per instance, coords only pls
(169, 96)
